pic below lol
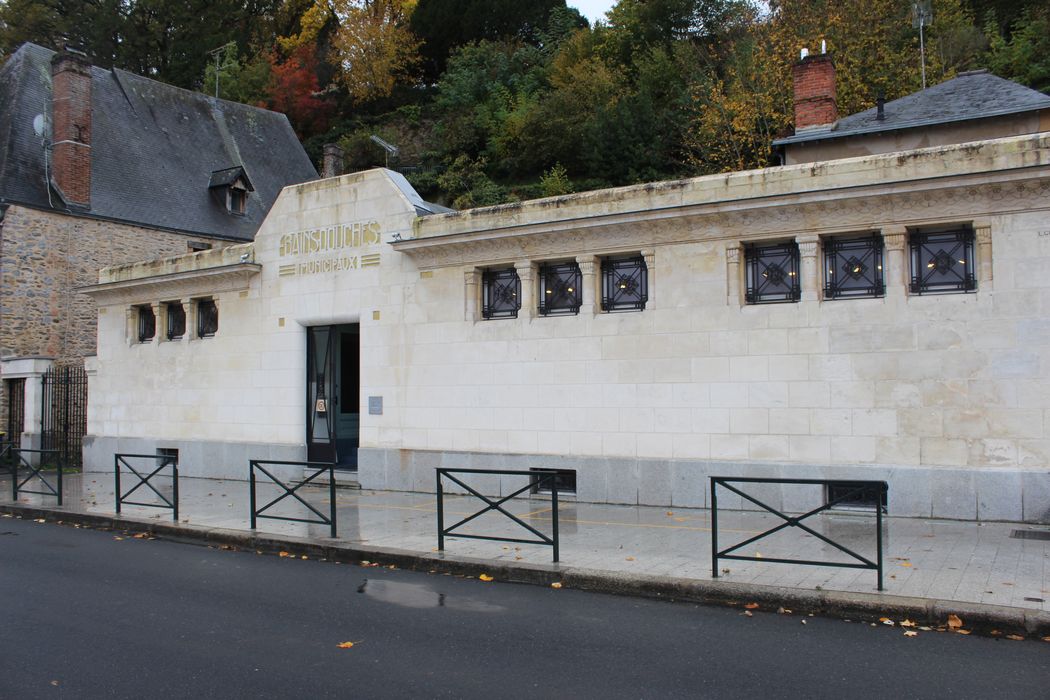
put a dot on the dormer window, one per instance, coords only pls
(230, 188)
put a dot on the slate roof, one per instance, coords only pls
(972, 95)
(154, 150)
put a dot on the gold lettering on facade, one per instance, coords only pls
(329, 240)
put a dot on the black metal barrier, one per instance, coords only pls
(538, 478)
(16, 455)
(165, 461)
(322, 467)
(849, 491)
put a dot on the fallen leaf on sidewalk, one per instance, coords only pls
(758, 555)
(751, 606)
(906, 563)
(556, 584)
(954, 621)
(485, 577)
(911, 633)
(629, 558)
(670, 513)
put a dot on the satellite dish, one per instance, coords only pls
(38, 125)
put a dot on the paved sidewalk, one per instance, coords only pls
(965, 563)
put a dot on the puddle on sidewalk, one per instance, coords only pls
(417, 595)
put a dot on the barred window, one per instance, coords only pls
(176, 320)
(560, 288)
(772, 273)
(207, 318)
(500, 293)
(853, 267)
(147, 324)
(625, 284)
(942, 261)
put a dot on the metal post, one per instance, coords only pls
(554, 514)
(714, 529)
(60, 480)
(14, 472)
(878, 534)
(175, 491)
(251, 478)
(331, 496)
(440, 512)
(116, 480)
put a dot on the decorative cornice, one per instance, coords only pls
(876, 207)
(177, 285)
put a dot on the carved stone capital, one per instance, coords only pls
(807, 245)
(984, 234)
(894, 237)
(733, 253)
(586, 263)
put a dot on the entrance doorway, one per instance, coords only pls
(333, 390)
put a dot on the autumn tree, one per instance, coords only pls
(293, 90)
(373, 46)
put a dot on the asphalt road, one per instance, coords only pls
(87, 615)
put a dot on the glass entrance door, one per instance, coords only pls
(333, 390)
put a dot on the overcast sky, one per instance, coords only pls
(592, 9)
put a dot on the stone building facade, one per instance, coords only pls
(464, 360)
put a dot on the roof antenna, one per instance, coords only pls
(922, 17)
(218, 54)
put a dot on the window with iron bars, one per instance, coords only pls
(560, 291)
(853, 267)
(500, 293)
(942, 261)
(207, 318)
(772, 273)
(176, 320)
(147, 324)
(625, 284)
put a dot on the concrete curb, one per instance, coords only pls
(979, 618)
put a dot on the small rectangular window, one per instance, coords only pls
(500, 293)
(772, 273)
(207, 318)
(169, 455)
(565, 480)
(853, 267)
(942, 261)
(176, 320)
(560, 291)
(147, 324)
(625, 284)
(856, 496)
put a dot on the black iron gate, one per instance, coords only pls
(63, 422)
(15, 389)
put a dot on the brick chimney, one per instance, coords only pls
(333, 160)
(71, 130)
(815, 106)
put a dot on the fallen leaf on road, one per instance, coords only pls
(803, 622)
(911, 633)
(886, 621)
(1015, 637)
(556, 584)
(283, 554)
(303, 557)
(141, 535)
(54, 682)
(907, 623)
(749, 613)
(786, 611)
(962, 631)
(345, 645)
(751, 606)
(1046, 639)
(485, 577)
(39, 520)
(118, 539)
(954, 621)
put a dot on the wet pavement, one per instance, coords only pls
(984, 563)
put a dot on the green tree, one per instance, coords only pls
(1025, 57)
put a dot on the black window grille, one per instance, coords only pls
(625, 284)
(147, 324)
(942, 262)
(176, 320)
(565, 480)
(500, 293)
(207, 318)
(856, 496)
(560, 289)
(772, 273)
(853, 267)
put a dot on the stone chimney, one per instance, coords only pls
(333, 160)
(815, 106)
(71, 126)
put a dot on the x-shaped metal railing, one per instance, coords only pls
(144, 480)
(850, 490)
(538, 479)
(19, 461)
(292, 491)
